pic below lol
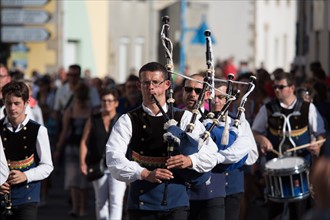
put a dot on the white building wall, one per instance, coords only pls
(85, 28)
(275, 33)
(318, 32)
(131, 36)
(195, 53)
(230, 23)
(239, 28)
(255, 31)
(232, 35)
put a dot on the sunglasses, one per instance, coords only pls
(190, 89)
(279, 86)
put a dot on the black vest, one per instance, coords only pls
(296, 122)
(21, 154)
(147, 138)
(18, 146)
(97, 139)
(300, 132)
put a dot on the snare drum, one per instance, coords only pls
(287, 179)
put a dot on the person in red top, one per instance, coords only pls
(229, 67)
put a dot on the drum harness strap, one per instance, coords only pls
(286, 128)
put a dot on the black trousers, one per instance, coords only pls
(232, 206)
(293, 210)
(180, 213)
(21, 212)
(211, 209)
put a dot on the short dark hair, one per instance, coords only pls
(201, 74)
(285, 75)
(81, 91)
(132, 78)
(243, 76)
(16, 88)
(108, 91)
(76, 67)
(154, 66)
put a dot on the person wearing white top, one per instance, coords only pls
(281, 125)
(209, 200)
(139, 136)
(4, 170)
(27, 149)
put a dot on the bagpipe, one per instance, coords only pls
(178, 140)
(218, 129)
(8, 211)
(207, 80)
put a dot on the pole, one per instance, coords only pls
(182, 37)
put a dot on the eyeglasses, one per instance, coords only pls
(280, 87)
(153, 82)
(108, 100)
(190, 89)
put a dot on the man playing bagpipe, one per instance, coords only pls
(137, 154)
(207, 201)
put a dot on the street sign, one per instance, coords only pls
(23, 3)
(21, 16)
(23, 34)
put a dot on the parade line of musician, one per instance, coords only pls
(176, 161)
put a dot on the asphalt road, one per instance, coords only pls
(58, 205)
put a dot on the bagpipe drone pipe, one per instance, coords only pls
(178, 142)
(217, 134)
(217, 129)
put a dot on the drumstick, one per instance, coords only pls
(305, 145)
(275, 152)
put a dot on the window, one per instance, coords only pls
(71, 52)
(123, 57)
(138, 52)
(285, 48)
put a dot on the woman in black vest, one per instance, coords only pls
(109, 192)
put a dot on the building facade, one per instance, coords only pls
(313, 38)
(114, 38)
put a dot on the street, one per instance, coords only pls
(58, 206)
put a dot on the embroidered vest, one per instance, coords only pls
(149, 150)
(298, 122)
(21, 154)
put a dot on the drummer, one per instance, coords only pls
(305, 127)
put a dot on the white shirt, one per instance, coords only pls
(244, 144)
(124, 170)
(62, 97)
(4, 170)
(35, 114)
(45, 166)
(64, 93)
(315, 120)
